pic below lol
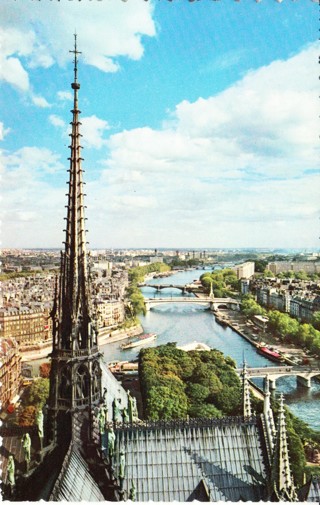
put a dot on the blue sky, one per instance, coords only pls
(200, 122)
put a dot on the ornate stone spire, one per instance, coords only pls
(246, 392)
(268, 418)
(75, 375)
(75, 331)
(281, 477)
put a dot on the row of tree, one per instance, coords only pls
(136, 275)
(300, 275)
(222, 282)
(285, 327)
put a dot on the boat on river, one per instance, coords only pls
(270, 353)
(146, 338)
(221, 320)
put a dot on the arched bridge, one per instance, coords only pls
(272, 373)
(185, 288)
(212, 303)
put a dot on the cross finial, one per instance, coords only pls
(75, 52)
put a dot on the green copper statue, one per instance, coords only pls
(125, 415)
(122, 468)
(134, 408)
(26, 446)
(111, 442)
(117, 417)
(10, 473)
(39, 423)
(132, 492)
(102, 420)
(130, 407)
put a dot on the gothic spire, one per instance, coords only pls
(75, 299)
(281, 476)
(246, 392)
(75, 380)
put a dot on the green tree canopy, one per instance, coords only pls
(37, 394)
(201, 380)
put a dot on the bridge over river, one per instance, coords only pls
(272, 373)
(210, 302)
(185, 288)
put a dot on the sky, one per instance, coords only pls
(199, 122)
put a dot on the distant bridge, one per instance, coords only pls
(272, 373)
(187, 288)
(212, 303)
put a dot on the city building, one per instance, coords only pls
(309, 267)
(29, 327)
(156, 259)
(110, 313)
(299, 303)
(244, 286)
(10, 372)
(245, 270)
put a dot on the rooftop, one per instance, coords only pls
(182, 461)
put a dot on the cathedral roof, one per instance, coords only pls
(166, 461)
(310, 492)
(75, 482)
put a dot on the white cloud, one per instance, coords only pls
(3, 131)
(40, 101)
(64, 95)
(93, 130)
(57, 121)
(12, 72)
(29, 162)
(33, 199)
(234, 165)
(236, 169)
(107, 29)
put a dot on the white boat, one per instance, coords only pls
(140, 340)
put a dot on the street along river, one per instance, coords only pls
(183, 323)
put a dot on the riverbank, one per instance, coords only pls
(106, 336)
(239, 323)
(109, 337)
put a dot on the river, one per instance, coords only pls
(187, 323)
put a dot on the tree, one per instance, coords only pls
(200, 383)
(197, 393)
(137, 302)
(251, 308)
(204, 374)
(37, 393)
(27, 416)
(301, 275)
(268, 273)
(296, 450)
(204, 410)
(229, 400)
(45, 370)
(316, 320)
(164, 403)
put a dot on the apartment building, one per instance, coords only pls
(245, 270)
(27, 326)
(310, 267)
(10, 371)
(109, 312)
